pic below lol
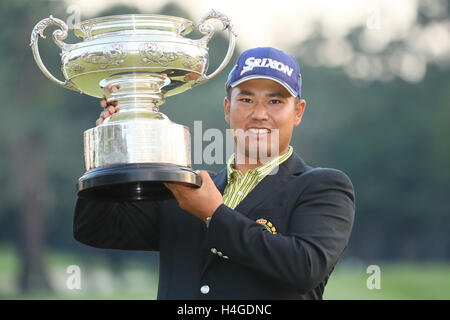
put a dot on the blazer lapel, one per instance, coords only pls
(220, 180)
(292, 166)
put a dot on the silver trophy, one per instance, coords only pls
(137, 60)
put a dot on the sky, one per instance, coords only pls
(262, 22)
(285, 23)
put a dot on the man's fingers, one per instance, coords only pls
(170, 186)
(173, 188)
(177, 188)
(104, 103)
(167, 185)
(106, 113)
(204, 175)
(112, 89)
(111, 109)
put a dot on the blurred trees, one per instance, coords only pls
(390, 137)
(392, 140)
(26, 189)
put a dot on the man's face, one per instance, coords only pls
(258, 107)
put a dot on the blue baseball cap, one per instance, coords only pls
(267, 63)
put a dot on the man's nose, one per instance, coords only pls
(260, 112)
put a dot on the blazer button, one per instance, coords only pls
(204, 289)
(214, 250)
(219, 253)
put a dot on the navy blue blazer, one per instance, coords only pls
(312, 210)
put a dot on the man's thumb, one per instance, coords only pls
(203, 174)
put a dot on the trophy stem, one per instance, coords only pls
(139, 95)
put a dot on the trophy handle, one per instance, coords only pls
(58, 37)
(208, 31)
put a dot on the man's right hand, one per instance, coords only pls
(109, 109)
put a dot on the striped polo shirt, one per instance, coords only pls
(239, 185)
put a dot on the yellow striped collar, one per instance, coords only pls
(260, 171)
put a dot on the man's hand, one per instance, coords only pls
(200, 202)
(110, 108)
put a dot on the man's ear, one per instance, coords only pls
(226, 105)
(299, 110)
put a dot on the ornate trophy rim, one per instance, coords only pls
(91, 27)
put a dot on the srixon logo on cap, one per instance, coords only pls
(251, 63)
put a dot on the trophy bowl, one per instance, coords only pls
(137, 60)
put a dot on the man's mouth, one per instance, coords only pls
(258, 130)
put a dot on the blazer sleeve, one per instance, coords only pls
(319, 229)
(130, 225)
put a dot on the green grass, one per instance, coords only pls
(409, 281)
(138, 281)
(98, 280)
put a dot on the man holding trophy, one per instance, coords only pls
(280, 240)
(267, 226)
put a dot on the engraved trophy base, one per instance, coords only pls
(135, 150)
(134, 181)
(129, 158)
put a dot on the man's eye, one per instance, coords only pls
(246, 100)
(275, 101)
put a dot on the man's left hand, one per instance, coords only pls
(201, 202)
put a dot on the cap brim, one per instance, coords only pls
(291, 91)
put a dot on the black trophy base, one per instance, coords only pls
(134, 181)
